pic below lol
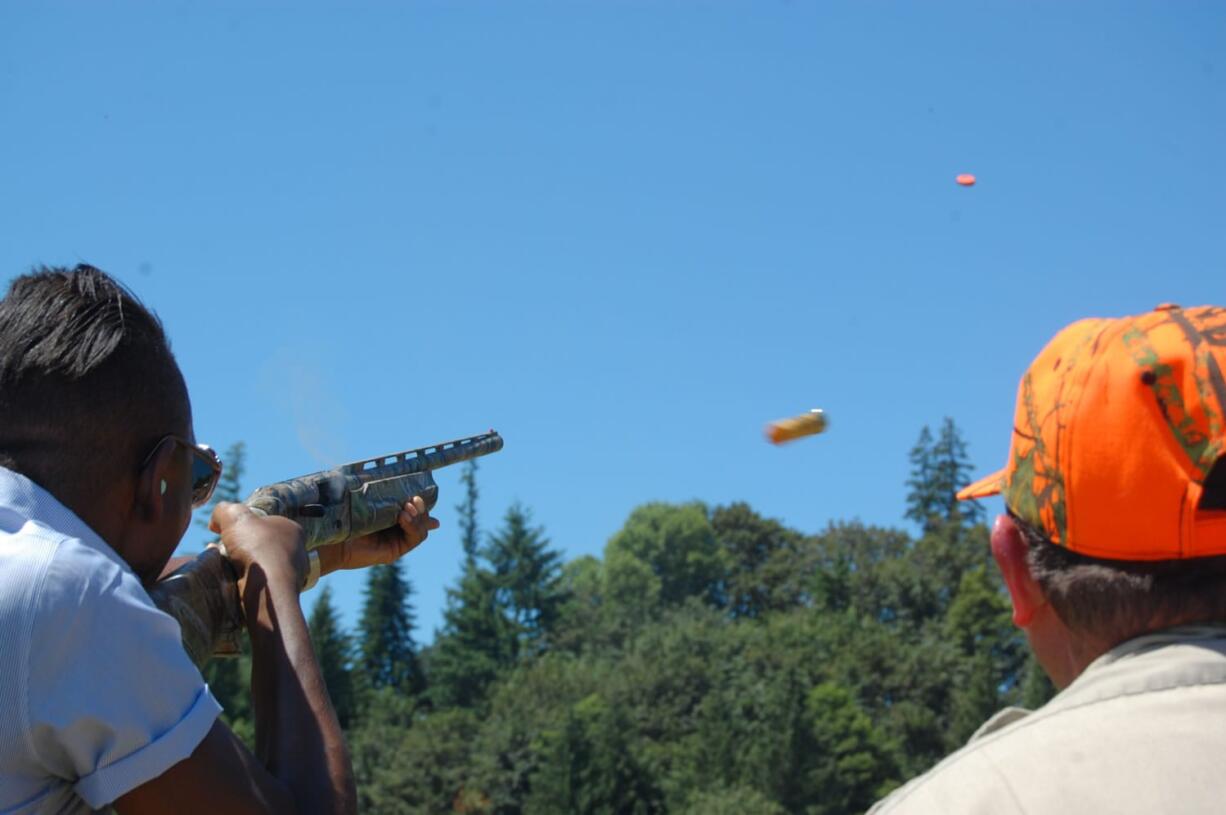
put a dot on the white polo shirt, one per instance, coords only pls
(1141, 730)
(97, 695)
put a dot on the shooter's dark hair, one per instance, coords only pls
(1116, 600)
(86, 373)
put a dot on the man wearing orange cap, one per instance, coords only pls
(1113, 551)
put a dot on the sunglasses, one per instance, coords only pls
(206, 468)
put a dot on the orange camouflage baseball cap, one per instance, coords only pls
(1119, 424)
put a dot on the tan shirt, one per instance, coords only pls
(1141, 730)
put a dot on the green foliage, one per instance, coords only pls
(766, 561)
(470, 533)
(952, 472)
(388, 654)
(939, 468)
(711, 661)
(854, 762)
(631, 595)
(923, 500)
(527, 703)
(588, 768)
(334, 651)
(503, 610)
(473, 646)
(408, 766)
(525, 576)
(676, 542)
(731, 801)
(582, 624)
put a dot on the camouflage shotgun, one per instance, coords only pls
(335, 505)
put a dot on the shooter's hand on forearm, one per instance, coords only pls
(412, 526)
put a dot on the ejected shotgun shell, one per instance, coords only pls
(806, 424)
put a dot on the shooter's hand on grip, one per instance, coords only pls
(266, 547)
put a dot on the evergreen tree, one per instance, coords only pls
(333, 649)
(473, 646)
(853, 758)
(468, 653)
(496, 614)
(951, 471)
(923, 504)
(388, 652)
(470, 535)
(939, 468)
(526, 576)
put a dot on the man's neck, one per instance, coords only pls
(95, 504)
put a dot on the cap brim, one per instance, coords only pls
(984, 487)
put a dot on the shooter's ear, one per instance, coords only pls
(1010, 549)
(153, 481)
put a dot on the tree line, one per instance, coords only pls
(710, 661)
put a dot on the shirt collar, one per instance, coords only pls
(1158, 639)
(1175, 657)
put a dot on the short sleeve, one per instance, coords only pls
(113, 699)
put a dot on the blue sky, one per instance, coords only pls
(625, 234)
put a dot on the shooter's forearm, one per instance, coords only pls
(297, 735)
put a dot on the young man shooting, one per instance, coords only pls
(99, 472)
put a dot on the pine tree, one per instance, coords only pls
(388, 654)
(526, 575)
(468, 654)
(922, 501)
(473, 646)
(503, 609)
(334, 650)
(467, 510)
(939, 468)
(951, 471)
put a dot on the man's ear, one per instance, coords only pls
(149, 503)
(1009, 548)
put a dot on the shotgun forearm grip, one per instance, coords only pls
(203, 596)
